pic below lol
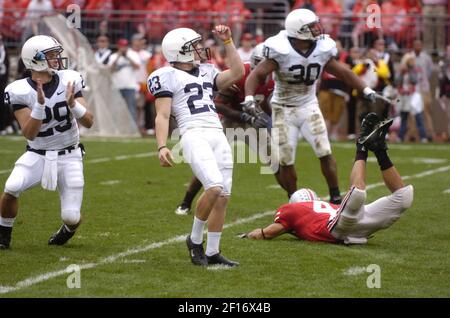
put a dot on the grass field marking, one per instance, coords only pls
(110, 259)
(113, 258)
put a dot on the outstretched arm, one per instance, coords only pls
(267, 233)
(345, 74)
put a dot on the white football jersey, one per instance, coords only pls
(295, 79)
(191, 93)
(59, 129)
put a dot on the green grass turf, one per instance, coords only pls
(138, 210)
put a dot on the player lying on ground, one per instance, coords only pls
(352, 222)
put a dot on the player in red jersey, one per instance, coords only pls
(228, 105)
(353, 221)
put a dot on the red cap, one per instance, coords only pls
(122, 42)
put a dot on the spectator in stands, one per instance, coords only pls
(245, 49)
(371, 70)
(410, 98)
(329, 12)
(362, 34)
(138, 45)
(434, 24)
(394, 21)
(160, 20)
(414, 21)
(304, 4)
(425, 66)
(123, 64)
(61, 5)
(103, 52)
(380, 48)
(232, 13)
(13, 12)
(32, 23)
(333, 95)
(127, 18)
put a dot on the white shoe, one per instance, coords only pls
(180, 210)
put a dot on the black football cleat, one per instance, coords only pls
(196, 252)
(61, 237)
(376, 140)
(219, 259)
(368, 124)
(5, 237)
(336, 199)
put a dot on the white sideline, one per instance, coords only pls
(179, 238)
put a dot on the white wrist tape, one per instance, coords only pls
(78, 110)
(367, 91)
(249, 98)
(38, 111)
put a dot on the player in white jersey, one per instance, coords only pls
(47, 106)
(185, 91)
(297, 56)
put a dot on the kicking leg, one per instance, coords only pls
(194, 187)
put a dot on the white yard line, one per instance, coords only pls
(176, 239)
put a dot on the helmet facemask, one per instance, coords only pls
(313, 30)
(194, 45)
(54, 54)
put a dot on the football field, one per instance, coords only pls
(132, 244)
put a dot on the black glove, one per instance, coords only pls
(250, 107)
(262, 121)
(246, 118)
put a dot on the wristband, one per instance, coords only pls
(38, 111)
(162, 147)
(78, 110)
(367, 91)
(262, 233)
(249, 98)
(230, 40)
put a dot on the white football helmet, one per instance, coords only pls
(303, 24)
(179, 45)
(34, 53)
(303, 195)
(257, 55)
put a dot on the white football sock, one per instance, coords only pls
(197, 231)
(7, 222)
(212, 243)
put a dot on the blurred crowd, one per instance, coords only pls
(392, 60)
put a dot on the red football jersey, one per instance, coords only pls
(308, 220)
(262, 92)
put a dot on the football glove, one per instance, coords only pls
(369, 94)
(249, 106)
(247, 118)
(262, 121)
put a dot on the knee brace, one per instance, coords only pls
(70, 217)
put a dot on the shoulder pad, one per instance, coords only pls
(18, 88)
(326, 43)
(278, 43)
